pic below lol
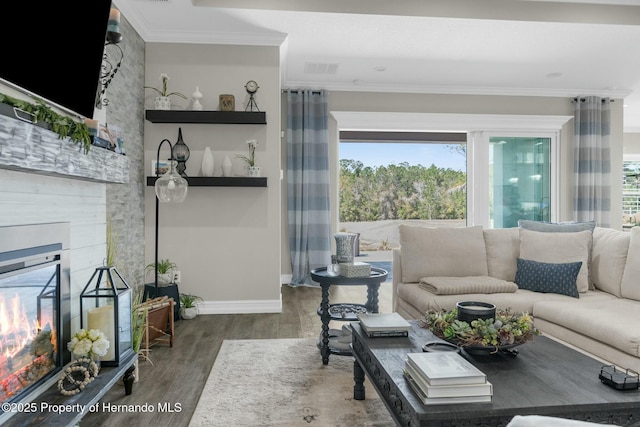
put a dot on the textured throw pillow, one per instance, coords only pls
(429, 252)
(558, 248)
(556, 227)
(548, 277)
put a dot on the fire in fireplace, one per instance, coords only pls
(34, 307)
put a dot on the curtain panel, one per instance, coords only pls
(308, 183)
(592, 160)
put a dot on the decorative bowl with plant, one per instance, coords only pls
(164, 90)
(188, 306)
(165, 268)
(505, 331)
(251, 158)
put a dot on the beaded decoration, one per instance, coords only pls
(77, 376)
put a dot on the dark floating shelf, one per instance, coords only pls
(232, 181)
(207, 117)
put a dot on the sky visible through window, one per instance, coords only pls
(384, 154)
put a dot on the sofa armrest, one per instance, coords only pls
(396, 270)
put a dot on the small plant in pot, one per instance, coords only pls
(188, 306)
(165, 269)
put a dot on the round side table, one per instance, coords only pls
(345, 312)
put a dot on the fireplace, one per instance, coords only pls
(34, 308)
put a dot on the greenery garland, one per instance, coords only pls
(64, 126)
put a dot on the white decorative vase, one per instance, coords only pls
(188, 313)
(162, 103)
(253, 170)
(165, 279)
(207, 163)
(226, 166)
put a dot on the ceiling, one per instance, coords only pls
(560, 48)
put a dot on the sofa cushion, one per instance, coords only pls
(630, 287)
(428, 252)
(556, 227)
(608, 259)
(503, 248)
(466, 285)
(548, 277)
(598, 315)
(559, 248)
(416, 300)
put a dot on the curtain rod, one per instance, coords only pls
(583, 99)
(297, 90)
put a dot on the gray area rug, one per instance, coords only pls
(284, 383)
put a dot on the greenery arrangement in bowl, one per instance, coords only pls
(507, 329)
(188, 300)
(188, 307)
(165, 268)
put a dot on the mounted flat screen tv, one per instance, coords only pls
(53, 51)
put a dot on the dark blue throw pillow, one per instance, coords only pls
(548, 277)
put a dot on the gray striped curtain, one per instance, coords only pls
(308, 183)
(592, 161)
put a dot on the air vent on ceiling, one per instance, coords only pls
(320, 68)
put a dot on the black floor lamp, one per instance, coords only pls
(169, 188)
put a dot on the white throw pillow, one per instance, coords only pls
(503, 249)
(608, 259)
(630, 287)
(429, 252)
(559, 248)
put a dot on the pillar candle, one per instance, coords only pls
(114, 21)
(102, 318)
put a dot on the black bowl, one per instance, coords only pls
(469, 311)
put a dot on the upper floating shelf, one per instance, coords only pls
(207, 117)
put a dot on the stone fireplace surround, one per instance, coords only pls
(36, 161)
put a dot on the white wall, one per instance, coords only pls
(225, 240)
(27, 198)
(631, 144)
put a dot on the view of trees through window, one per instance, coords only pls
(384, 184)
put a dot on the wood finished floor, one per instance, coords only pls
(176, 376)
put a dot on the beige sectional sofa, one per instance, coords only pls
(435, 268)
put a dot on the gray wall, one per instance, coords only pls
(125, 202)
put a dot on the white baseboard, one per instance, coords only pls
(240, 307)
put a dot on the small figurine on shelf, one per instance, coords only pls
(197, 96)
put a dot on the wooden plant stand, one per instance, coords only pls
(158, 323)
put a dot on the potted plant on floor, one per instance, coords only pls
(165, 269)
(188, 306)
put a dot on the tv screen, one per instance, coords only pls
(53, 51)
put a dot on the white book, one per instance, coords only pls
(445, 368)
(379, 322)
(459, 390)
(444, 400)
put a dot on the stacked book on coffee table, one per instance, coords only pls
(384, 325)
(446, 377)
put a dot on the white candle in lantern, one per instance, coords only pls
(102, 318)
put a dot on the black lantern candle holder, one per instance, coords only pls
(105, 304)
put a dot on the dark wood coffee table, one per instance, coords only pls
(545, 378)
